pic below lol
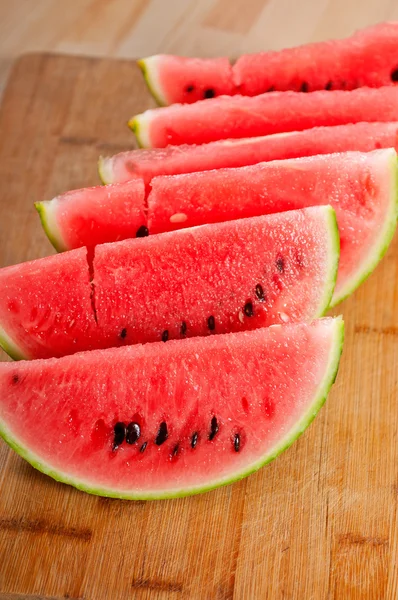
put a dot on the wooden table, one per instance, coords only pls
(318, 523)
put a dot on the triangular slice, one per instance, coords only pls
(175, 160)
(164, 420)
(91, 216)
(211, 279)
(361, 187)
(243, 116)
(366, 58)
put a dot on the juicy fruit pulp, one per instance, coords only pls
(243, 116)
(203, 413)
(175, 160)
(368, 58)
(92, 216)
(362, 189)
(212, 279)
(207, 78)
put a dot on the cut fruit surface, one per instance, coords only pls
(243, 116)
(174, 160)
(46, 299)
(367, 58)
(204, 411)
(181, 79)
(215, 278)
(92, 216)
(361, 187)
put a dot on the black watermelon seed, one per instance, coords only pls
(190, 88)
(123, 333)
(213, 428)
(144, 445)
(133, 433)
(211, 324)
(394, 74)
(209, 93)
(271, 89)
(236, 442)
(165, 335)
(194, 439)
(162, 434)
(183, 328)
(15, 378)
(248, 309)
(304, 87)
(142, 231)
(119, 431)
(175, 450)
(280, 264)
(329, 85)
(260, 292)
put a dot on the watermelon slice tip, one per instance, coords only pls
(46, 210)
(149, 69)
(105, 172)
(139, 125)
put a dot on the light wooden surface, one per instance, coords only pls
(133, 28)
(318, 523)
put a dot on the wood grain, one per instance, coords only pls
(318, 523)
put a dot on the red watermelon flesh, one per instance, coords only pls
(188, 79)
(212, 279)
(361, 187)
(91, 216)
(243, 116)
(368, 58)
(199, 413)
(174, 160)
(44, 302)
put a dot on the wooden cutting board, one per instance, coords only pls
(318, 523)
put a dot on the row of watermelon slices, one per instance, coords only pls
(157, 420)
(366, 59)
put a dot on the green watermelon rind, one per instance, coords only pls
(49, 224)
(47, 218)
(10, 347)
(334, 255)
(383, 241)
(139, 125)
(150, 72)
(105, 170)
(296, 431)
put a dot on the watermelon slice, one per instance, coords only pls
(242, 116)
(188, 79)
(238, 153)
(368, 58)
(212, 279)
(165, 420)
(91, 216)
(362, 188)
